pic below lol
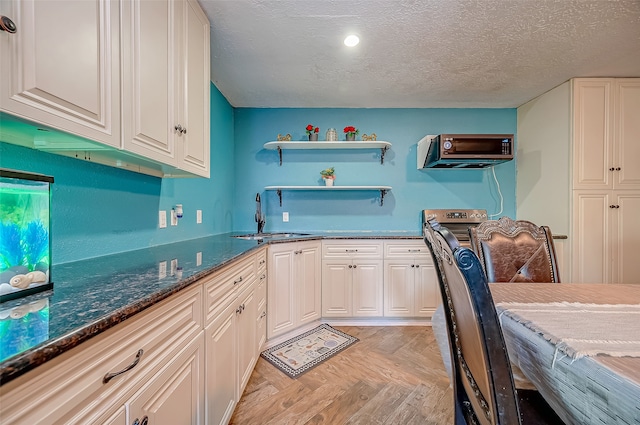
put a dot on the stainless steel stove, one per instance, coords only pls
(457, 221)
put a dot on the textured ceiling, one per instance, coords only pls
(415, 54)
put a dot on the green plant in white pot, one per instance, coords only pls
(328, 175)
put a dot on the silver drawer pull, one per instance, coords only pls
(144, 421)
(264, 313)
(235, 282)
(109, 376)
(262, 261)
(263, 276)
(414, 250)
(351, 250)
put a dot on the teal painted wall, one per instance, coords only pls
(413, 189)
(98, 210)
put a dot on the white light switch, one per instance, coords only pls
(198, 216)
(285, 216)
(199, 259)
(162, 269)
(162, 219)
(174, 266)
(174, 217)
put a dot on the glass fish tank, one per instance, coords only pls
(25, 233)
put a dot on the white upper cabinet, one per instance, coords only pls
(126, 81)
(606, 133)
(61, 67)
(165, 82)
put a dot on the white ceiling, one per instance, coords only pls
(415, 53)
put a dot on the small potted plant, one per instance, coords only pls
(350, 133)
(312, 132)
(328, 175)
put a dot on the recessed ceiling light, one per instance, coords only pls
(351, 40)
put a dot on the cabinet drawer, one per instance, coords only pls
(352, 249)
(225, 284)
(406, 249)
(261, 260)
(70, 388)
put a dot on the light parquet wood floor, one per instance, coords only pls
(393, 375)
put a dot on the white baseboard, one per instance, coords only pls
(367, 321)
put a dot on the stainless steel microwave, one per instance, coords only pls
(464, 150)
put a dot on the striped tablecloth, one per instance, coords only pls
(594, 389)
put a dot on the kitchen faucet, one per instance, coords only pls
(259, 216)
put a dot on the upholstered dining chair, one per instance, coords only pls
(515, 251)
(483, 387)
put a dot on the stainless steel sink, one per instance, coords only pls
(263, 236)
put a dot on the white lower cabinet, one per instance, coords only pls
(606, 236)
(174, 395)
(293, 292)
(352, 278)
(192, 357)
(70, 389)
(231, 339)
(410, 280)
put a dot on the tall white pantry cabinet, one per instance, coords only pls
(600, 192)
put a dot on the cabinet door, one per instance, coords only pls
(152, 66)
(398, 288)
(627, 240)
(246, 315)
(280, 290)
(593, 134)
(627, 134)
(367, 288)
(592, 239)
(61, 67)
(221, 370)
(308, 282)
(193, 145)
(336, 288)
(175, 394)
(426, 292)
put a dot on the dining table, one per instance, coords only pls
(578, 344)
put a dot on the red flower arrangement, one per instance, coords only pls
(351, 130)
(311, 129)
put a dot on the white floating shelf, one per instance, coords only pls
(382, 189)
(281, 145)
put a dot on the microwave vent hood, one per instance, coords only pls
(464, 150)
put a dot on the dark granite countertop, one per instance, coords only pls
(91, 296)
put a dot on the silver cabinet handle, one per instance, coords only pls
(350, 250)
(264, 313)
(235, 282)
(6, 24)
(414, 250)
(144, 421)
(109, 376)
(180, 129)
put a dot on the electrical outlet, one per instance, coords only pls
(198, 216)
(174, 266)
(174, 218)
(285, 216)
(199, 259)
(162, 219)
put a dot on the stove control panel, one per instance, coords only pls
(455, 216)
